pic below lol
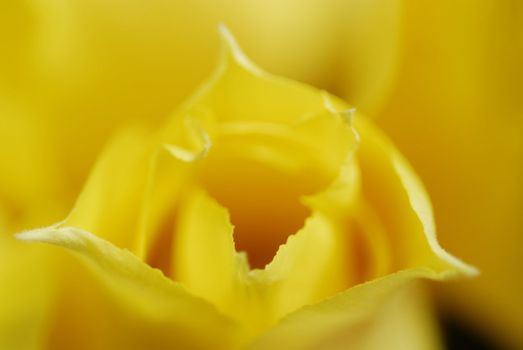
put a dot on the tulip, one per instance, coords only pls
(264, 213)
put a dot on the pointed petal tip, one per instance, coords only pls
(332, 104)
(72, 238)
(465, 269)
(226, 35)
(231, 49)
(49, 235)
(455, 267)
(228, 42)
(31, 235)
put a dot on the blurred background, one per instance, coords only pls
(444, 79)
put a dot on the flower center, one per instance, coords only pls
(262, 195)
(264, 205)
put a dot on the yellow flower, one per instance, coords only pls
(454, 108)
(263, 214)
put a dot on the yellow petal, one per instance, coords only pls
(172, 167)
(233, 93)
(308, 268)
(132, 191)
(393, 190)
(110, 203)
(205, 259)
(368, 316)
(142, 294)
(26, 289)
(407, 322)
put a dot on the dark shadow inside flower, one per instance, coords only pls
(264, 202)
(160, 254)
(369, 254)
(261, 183)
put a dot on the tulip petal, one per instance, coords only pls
(132, 190)
(204, 259)
(24, 295)
(143, 292)
(384, 313)
(110, 202)
(240, 91)
(169, 174)
(397, 196)
(307, 268)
